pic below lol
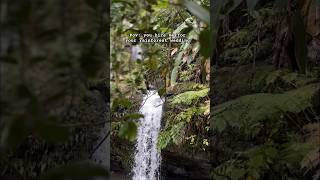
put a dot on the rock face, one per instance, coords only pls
(179, 165)
(101, 150)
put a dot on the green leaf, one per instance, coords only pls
(161, 4)
(162, 91)
(189, 97)
(76, 171)
(128, 130)
(133, 116)
(121, 102)
(197, 10)
(180, 28)
(249, 113)
(152, 64)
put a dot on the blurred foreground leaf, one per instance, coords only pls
(128, 130)
(133, 116)
(197, 10)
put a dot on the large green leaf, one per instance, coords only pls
(128, 130)
(197, 10)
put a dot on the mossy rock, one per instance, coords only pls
(122, 154)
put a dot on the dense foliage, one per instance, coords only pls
(265, 85)
(54, 87)
(264, 89)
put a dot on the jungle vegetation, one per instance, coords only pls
(54, 88)
(258, 116)
(242, 96)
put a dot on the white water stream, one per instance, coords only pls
(147, 158)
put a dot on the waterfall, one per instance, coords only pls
(147, 157)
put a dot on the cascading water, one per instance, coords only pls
(147, 157)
